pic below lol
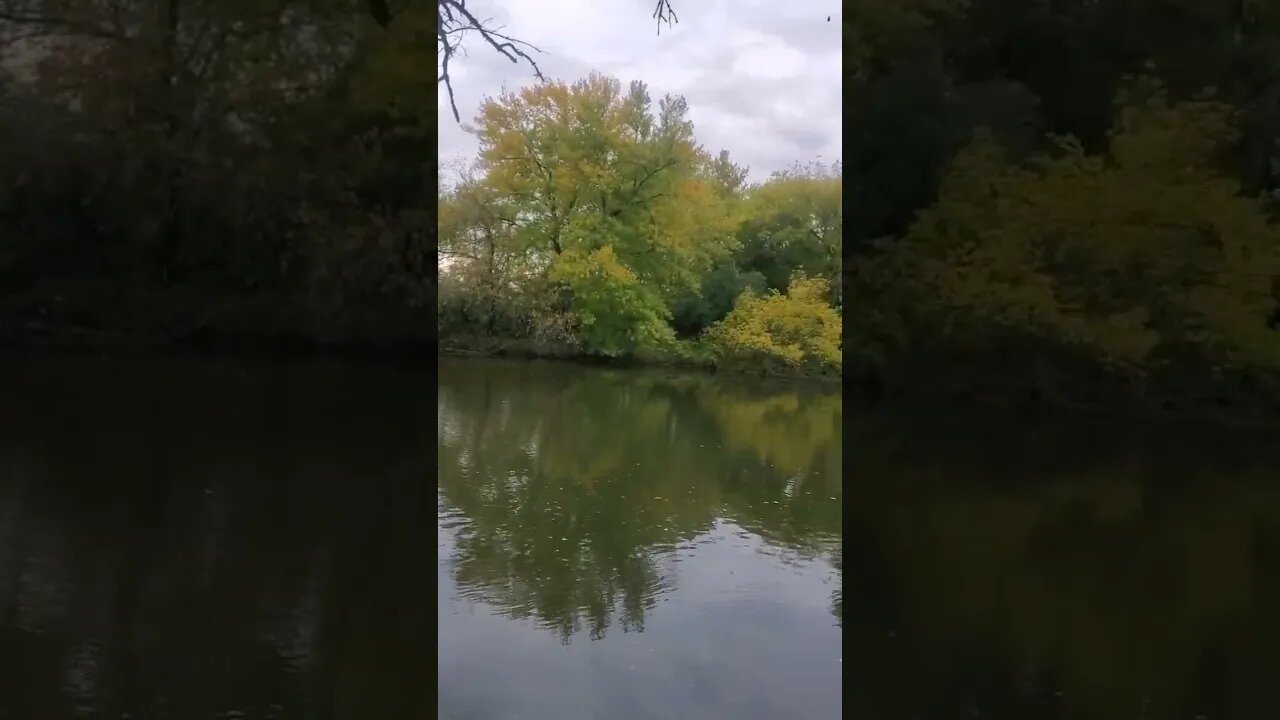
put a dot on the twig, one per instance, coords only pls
(664, 13)
(453, 19)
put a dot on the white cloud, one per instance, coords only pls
(762, 78)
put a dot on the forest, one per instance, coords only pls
(1067, 201)
(1050, 201)
(203, 171)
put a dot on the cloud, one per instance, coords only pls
(762, 78)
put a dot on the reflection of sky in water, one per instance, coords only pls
(740, 630)
(633, 545)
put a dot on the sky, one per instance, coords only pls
(762, 77)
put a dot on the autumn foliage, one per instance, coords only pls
(1144, 257)
(798, 328)
(597, 208)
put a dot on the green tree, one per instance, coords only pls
(793, 223)
(616, 313)
(715, 298)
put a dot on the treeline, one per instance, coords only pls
(1046, 195)
(173, 166)
(1069, 198)
(593, 220)
(178, 170)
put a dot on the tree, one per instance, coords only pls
(231, 146)
(793, 223)
(603, 187)
(1145, 256)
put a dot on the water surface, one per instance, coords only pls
(624, 544)
(1030, 567)
(226, 539)
(196, 538)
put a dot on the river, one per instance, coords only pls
(216, 538)
(636, 544)
(1033, 567)
(202, 538)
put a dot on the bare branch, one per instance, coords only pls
(664, 13)
(456, 253)
(453, 21)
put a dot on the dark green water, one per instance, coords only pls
(1023, 568)
(634, 545)
(206, 539)
(226, 539)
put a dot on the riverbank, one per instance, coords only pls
(968, 385)
(191, 320)
(1041, 385)
(685, 356)
(188, 321)
(181, 320)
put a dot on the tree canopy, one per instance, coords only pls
(618, 231)
(1087, 186)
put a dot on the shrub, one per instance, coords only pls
(796, 329)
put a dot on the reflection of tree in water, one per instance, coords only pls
(575, 485)
(1127, 581)
(559, 526)
(796, 435)
(788, 480)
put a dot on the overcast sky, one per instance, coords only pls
(762, 77)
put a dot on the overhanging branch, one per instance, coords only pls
(664, 13)
(454, 21)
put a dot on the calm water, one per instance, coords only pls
(220, 539)
(196, 539)
(217, 539)
(1027, 569)
(636, 545)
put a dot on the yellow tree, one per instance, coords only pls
(586, 166)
